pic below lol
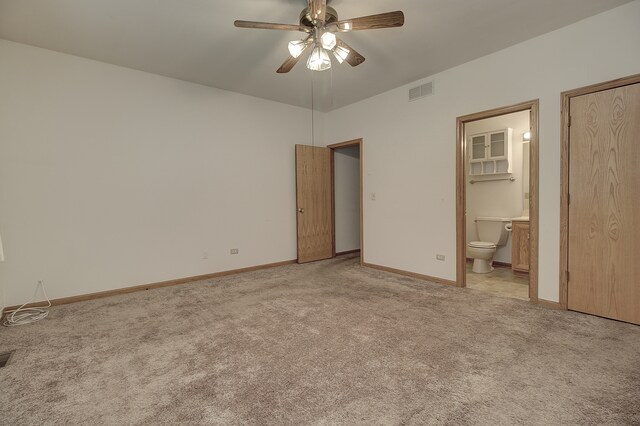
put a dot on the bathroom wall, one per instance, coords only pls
(500, 198)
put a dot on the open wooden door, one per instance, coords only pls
(313, 198)
(604, 183)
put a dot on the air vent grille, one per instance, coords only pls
(421, 91)
(414, 93)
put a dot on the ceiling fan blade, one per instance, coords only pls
(353, 58)
(318, 10)
(288, 64)
(372, 22)
(292, 61)
(270, 26)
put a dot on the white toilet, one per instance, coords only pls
(492, 232)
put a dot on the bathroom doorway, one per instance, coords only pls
(497, 207)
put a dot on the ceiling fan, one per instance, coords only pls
(320, 22)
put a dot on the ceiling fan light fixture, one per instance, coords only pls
(328, 40)
(296, 47)
(321, 24)
(341, 53)
(319, 60)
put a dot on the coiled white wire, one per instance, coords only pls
(22, 315)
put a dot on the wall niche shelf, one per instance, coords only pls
(490, 153)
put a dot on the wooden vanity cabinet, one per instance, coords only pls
(520, 246)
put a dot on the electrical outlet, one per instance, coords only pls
(373, 196)
(205, 255)
(440, 257)
(235, 251)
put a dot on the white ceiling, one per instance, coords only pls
(196, 41)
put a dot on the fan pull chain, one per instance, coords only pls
(331, 86)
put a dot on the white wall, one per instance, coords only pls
(2, 303)
(409, 147)
(111, 177)
(497, 198)
(347, 198)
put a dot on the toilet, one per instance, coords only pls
(492, 232)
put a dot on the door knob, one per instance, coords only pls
(300, 210)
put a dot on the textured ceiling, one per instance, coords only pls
(196, 41)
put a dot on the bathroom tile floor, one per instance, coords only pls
(502, 281)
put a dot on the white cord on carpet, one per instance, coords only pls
(22, 315)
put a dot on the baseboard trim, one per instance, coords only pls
(344, 253)
(495, 263)
(549, 304)
(133, 289)
(411, 274)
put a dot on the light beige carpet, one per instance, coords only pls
(323, 343)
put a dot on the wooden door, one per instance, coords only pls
(604, 204)
(314, 209)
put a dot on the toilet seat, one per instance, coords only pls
(482, 244)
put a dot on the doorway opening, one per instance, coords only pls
(346, 189)
(329, 190)
(497, 201)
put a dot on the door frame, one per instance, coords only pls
(461, 196)
(333, 147)
(565, 99)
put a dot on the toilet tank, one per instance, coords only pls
(492, 229)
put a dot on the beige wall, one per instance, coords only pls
(111, 177)
(410, 146)
(2, 303)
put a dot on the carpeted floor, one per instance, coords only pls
(322, 343)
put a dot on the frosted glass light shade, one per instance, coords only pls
(328, 40)
(319, 60)
(341, 53)
(296, 47)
